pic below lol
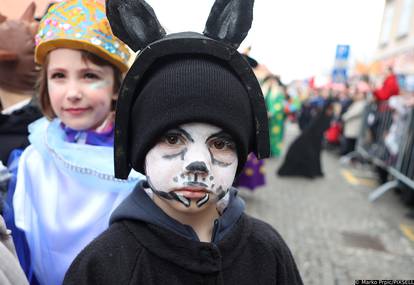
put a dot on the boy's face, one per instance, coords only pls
(194, 164)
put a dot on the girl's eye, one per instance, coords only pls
(90, 75)
(57, 75)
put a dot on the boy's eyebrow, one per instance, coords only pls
(222, 135)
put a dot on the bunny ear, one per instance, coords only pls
(2, 18)
(28, 15)
(7, 55)
(134, 22)
(230, 21)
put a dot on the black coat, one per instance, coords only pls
(13, 129)
(136, 252)
(303, 158)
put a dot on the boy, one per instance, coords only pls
(189, 112)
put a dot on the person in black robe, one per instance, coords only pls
(303, 156)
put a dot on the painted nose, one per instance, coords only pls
(197, 167)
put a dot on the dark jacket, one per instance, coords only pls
(13, 129)
(136, 251)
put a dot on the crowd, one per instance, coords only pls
(369, 123)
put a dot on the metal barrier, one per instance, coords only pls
(387, 140)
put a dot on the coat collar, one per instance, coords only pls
(192, 255)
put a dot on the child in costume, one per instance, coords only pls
(275, 103)
(189, 112)
(66, 188)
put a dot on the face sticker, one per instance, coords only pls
(194, 162)
(99, 84)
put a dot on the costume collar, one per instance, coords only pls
(103, 138)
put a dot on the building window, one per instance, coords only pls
(405, 18)
(387, 23)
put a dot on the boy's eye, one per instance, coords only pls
(57, 75)
(222, 144)
(222, 149)
(173, 139)
(219, 144)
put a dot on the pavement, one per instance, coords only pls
(335, 234)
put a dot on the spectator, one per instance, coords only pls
(353, 118)
(401, 106)
(17, 81)
(389, 87)
(10, 271)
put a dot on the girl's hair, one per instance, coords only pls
(43, 93)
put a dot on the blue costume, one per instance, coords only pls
(64, 195)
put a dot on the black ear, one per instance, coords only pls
(134, 22)
(230, 21)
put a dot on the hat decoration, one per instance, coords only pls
(80, 24)
(135, 23)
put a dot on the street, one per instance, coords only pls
(335, 234)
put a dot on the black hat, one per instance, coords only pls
(184, 89)
(186, 77)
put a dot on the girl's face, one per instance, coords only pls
(194, 163)
(80, 91)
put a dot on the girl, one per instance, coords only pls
(65, 188)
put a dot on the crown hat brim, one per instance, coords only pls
(44, 48)
(180, 44)
(82, 25)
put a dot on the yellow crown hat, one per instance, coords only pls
(80, 24)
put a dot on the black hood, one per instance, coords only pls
(139, 206)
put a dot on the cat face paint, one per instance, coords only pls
(194, 162)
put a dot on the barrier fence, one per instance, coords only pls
(387, 140)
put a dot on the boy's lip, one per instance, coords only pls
(192, 192)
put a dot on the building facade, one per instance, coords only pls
(396, 41)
